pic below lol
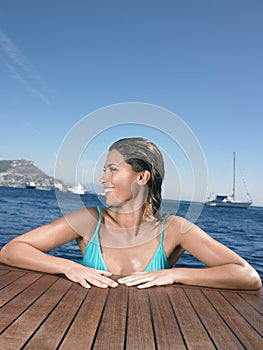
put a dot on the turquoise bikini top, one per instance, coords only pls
(93, 256)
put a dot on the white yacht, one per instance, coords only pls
(30, 184)
(77, 189)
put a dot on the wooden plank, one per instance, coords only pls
(22, 329)
(15, 307)
(51, 332)
(3, 272)
(48, 312)
(250, 339)
(111, 331)
(254, 301)
(219, 332)
(139, 327)
(194, 331)
(254, 318)
(167, 331)
(8, 268)
(9, 278)
(4, 267)
(82, 332)
(17, 287)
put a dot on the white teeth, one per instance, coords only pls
(107, 190)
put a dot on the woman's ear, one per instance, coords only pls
(144, 177)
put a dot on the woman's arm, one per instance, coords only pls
(29, 251)
(225, 268)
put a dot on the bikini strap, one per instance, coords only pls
(95, 236)
(100, 214)
(162, 232)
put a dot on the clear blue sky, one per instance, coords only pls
(202, 60)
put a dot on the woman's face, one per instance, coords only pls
(120, 181)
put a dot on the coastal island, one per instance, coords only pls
(19, 173)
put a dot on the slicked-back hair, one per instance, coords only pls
(143, 154)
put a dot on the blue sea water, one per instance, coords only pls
(24, 209)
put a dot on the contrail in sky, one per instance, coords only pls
(19, 67)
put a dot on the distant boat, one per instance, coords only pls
(31, 184)
(77, 189)
(229, 201)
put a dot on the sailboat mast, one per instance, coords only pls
(234, 175)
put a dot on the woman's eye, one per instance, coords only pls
(111, 168)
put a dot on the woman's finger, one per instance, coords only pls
(139, 280)
(146, 285)
(134, 277)
(104, 273)
(102, 281)
(84, 284)
(97, 283)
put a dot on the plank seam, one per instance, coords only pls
(74, 317)
(100, 320)
(15, 296)
(151, 315)
(29, 306)
(225, 322)
(46, 317)
(250, 304)
(127, 320)
(200, 319)
(177, 321)
(12, 281)
(243, 316)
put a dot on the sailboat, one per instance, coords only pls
(230, 201)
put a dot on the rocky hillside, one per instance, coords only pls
(15, 173)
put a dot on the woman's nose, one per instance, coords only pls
(103, 179)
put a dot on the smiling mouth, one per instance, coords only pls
(108, 190)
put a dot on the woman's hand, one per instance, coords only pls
(149, 279)
(86, 276)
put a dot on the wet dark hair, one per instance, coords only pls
(143, 154)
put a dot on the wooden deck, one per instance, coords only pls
(41, 311)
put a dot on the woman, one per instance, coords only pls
(129, 237)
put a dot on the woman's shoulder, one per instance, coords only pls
(174, 220)
(83, 220)
(177, 220)
(177, 225)
(182, 229)
(88, 213)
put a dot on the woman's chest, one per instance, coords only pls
(123, 261)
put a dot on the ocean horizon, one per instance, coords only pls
(24, 209)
